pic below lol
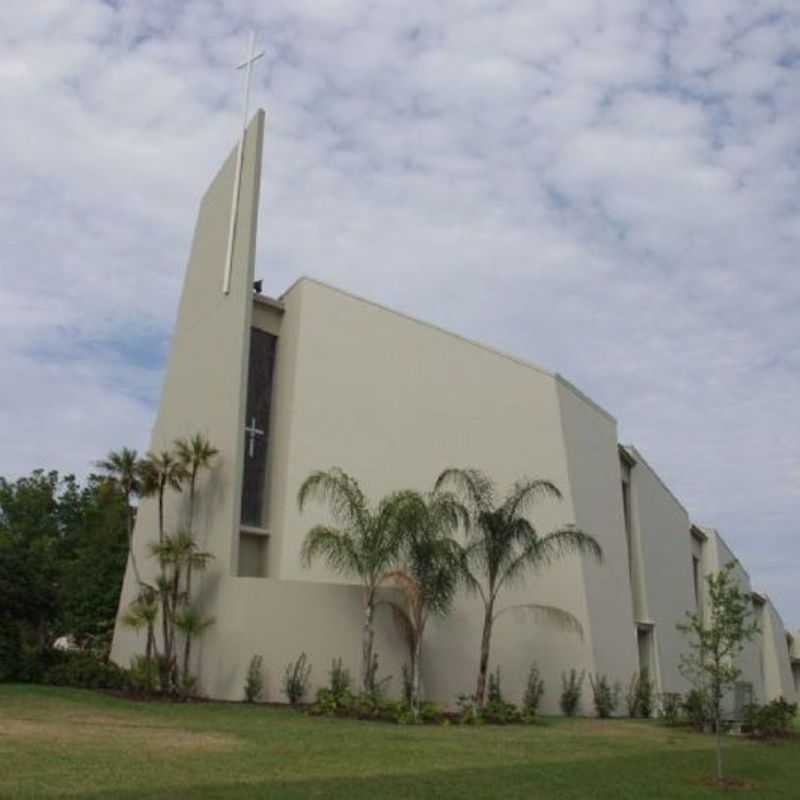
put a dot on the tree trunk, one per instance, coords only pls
(129, 527)
(486, 642)
(187, 653)
(366, 647)
(719, 747)
(415, 674)
(161, 488)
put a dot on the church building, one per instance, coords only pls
(318, 378)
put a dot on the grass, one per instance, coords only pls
(71, 743)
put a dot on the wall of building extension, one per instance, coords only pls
(777, 668)
(394, 401)
(204, 385)
(660, 532)
(590, 437)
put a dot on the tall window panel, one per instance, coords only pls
(256, 432)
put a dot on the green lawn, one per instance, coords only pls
(69, 743)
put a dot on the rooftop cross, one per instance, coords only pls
(247, 66)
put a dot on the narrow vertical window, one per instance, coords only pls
(256, 428)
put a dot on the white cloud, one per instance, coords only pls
(607, 188)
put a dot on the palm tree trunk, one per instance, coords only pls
(366, 646)
(129, 528)
(187, 653)
(415, 669)
(486, 642)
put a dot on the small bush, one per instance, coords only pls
(572, 686)
(771, 721)
(644, 695)
(671, 707)
(296, 679)
(340, 680)
(632, 696)
(495, 694)
(534, 690)
(695, 706)
(467, 709)
(85, 671)
(254, 682)
(606, 696)
(500, 713)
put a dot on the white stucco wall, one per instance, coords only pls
(661, 526)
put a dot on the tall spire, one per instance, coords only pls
(247, 66)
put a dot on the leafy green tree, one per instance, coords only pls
(715, 640)
(503, 546)
(431, 567)
(365, 545)
(91, 578)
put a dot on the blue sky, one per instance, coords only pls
(607, 189)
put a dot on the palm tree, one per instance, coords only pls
(432, 565)
(191, 624)
(175, 554)
(503, 545)
(122, 467)
(143, 614)
(159, 472)
(195, 454)
(365, 546)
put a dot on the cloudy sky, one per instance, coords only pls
(610, 189)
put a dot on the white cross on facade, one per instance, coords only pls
(247, 66)
(253, 431)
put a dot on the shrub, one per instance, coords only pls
(572, 686)
(84, 671)
(534, 690)
(467, 709)
(695, 707)
(771, 721)
(296, 679)
(632, 696)
(495, 694)
(498, 712)
(671, 707)
(644, 695)
(254, 682)
(606, 696)
(340, 680)
(10, 646)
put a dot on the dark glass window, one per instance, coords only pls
(256, 423)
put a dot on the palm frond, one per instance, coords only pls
(567, 540)
(474, 485)
(525, 492)
(550, 615)
(336, 547)
(340, 492)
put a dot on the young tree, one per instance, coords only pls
(714, 643)
(364, 546)
(431, 567)
(503, 545)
